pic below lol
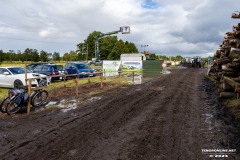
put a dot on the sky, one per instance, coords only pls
(167, 27)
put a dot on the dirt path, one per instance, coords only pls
(172, 117)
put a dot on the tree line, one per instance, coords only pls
(29, 55)
(110, 49)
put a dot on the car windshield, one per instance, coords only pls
(18, 70)
(82, 66)
(60, 68)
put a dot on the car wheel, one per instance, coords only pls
(42, 82)
(17, 83)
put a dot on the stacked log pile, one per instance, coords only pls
(226, 64)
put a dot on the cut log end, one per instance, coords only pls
(227, 94)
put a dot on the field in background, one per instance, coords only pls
(3, 91)
(22, 64)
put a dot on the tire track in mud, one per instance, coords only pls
(160, 119)
(102, 111)
(164, 129)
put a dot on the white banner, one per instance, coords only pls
(111, 66)
(131, 66)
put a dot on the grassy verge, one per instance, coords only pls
(71, 83)
(232, 104)
(3, 93)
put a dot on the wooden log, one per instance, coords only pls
(222, 61)
(227, 94)
(237, 79)
(234, 65)
(234, 54)
(237, 90)
(230, 74)
(236, 34)
(236, 27)
(228, 69)
(229, 81)
(226, 87)
(236, 15)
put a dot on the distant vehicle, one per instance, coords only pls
(192, 62)
(49, 70)
(61, 69)
(33, 65)
(196, 62)
(14, 77)
(80, 68)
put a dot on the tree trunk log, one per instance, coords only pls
(234, 53)
(229, 81)
(226, 87)
(222, 61)
(227, 94)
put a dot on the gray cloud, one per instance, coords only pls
(168, 26)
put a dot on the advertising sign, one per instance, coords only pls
(111, 68)
(131, 66)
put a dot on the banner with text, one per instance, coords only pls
(131, 66)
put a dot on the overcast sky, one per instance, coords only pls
(170, 27)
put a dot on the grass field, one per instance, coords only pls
(4, 91)
(22, 64)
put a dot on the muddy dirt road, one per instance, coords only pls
(176, 116)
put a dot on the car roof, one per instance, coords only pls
(40, 63)
(12, 67)
(77, 62)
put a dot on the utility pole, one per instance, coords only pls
(123, 30)
(145, 45)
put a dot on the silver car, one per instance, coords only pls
(13, 77)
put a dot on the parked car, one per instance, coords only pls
(61, 69)
(80, 68)
(49, 70)
(33, 65)
(14, 77)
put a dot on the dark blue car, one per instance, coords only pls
(80, 68)
(48, 69)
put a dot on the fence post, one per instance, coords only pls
(119, 74)
(76, 82)
(133, 76)
(88, 75)
(29, 96)
(65, 81)
(101, 80)
(25, 72)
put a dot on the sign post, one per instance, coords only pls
(164, 65)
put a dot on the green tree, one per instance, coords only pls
(56, 56)
(34, 55)
(19, 56)
(82, 51)
(153, 56)
(179, 58)
(43, 56)
(90, 41)
(118, 49)
(66, 57)
(130, 47)
(11, 55)
(1, 56)
(73, 56)
(106, 46)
